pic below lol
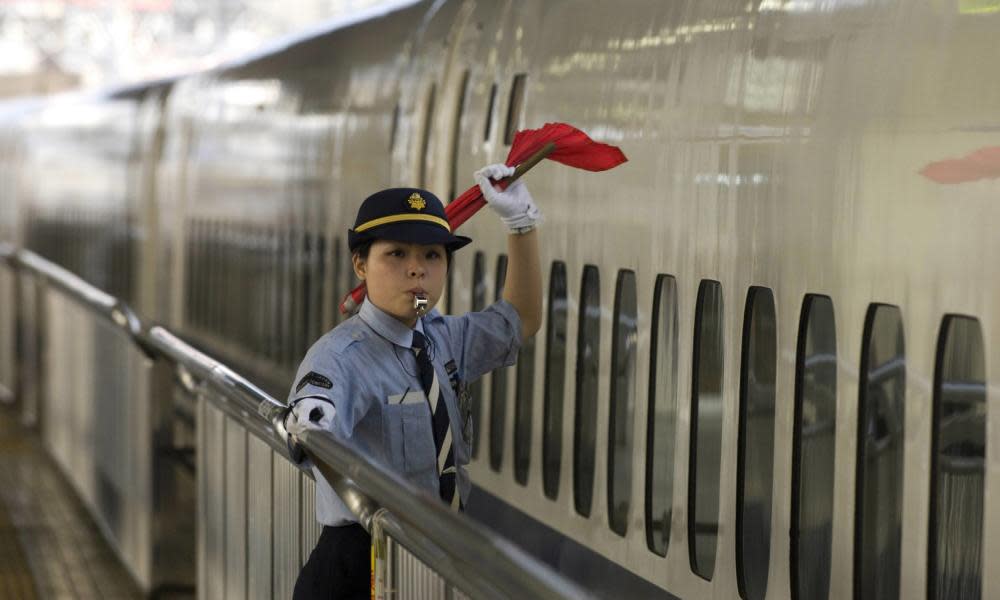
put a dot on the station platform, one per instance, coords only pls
(50, 547)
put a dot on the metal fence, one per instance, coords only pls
(111, 392)
(104, 407)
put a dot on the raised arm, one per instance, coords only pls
(523, 285)
(517, 210)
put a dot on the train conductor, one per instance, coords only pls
(393, 378)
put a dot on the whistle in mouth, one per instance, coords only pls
(419, 304)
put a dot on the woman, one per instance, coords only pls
(392, 379)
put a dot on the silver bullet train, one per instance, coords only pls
(771, 338)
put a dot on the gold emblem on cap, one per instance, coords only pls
(417, 201)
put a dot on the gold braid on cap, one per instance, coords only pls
(400, 218)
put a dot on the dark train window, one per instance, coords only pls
(192, 272)
(254, 297)
(425, 157)
(661, 425)
(490, 107)
(624, 332)
(394, 127)
(319, 274)
(555, 379)
(349, 278)
(208, 296)
(456, 137)
(498, 386)
(523, 402)
(515, 107)
(449, 291)
(958, 462)
(338, 265)
(479, 284)
(813, 441)
(588, 350)
(244, 286)
(879, 501)
(216, 304)
(706, 430)
(284, 274)
(755, 460)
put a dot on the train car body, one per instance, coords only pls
(768, 349)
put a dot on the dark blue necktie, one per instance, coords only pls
(440, 423)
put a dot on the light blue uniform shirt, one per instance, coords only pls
(365, 366)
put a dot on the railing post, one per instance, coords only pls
(380, 557)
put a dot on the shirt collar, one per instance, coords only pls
(389, 326)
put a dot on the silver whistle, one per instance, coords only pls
(419, 304)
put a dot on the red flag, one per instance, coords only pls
(573, 148)
(570, 146)
(983, 163)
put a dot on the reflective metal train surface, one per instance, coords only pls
(771, 338)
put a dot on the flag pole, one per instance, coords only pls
(531, 161)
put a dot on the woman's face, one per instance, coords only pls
(396, 272)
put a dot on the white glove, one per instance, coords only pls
(309, 414)
(514, 205)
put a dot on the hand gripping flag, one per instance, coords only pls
(560, 142)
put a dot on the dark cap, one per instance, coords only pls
(403, 215)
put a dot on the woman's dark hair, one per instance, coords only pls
(363, 249)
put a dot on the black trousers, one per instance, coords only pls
(339, 567)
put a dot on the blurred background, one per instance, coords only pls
(51, 46)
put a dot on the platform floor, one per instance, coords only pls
(49, 546)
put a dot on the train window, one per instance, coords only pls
(394, 127)
(879, 501)
(958, 467)
(706, 430)
(524, 395)
(285, 287)
(490, 107)
(208, 271)
(318, 274)
(624, 332)
(813, 441)
(253, 297)
(555, 379)
(425, 157)
(215, 302)
(349, 279)
(310, 278)
(498, 386)
(337, 266)
(588, 352)
(456, 136)
(193, 272)
(479, 284)
(515, 107)
(662, 415)
(449, 291)
(755, 460)
(244, 283)
(201, 273)
(296, 291)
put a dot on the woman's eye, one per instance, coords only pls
(434, 254)
(397, 252)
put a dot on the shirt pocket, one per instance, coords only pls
(411, 440)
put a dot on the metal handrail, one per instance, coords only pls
(107, 306)
(464, 552)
